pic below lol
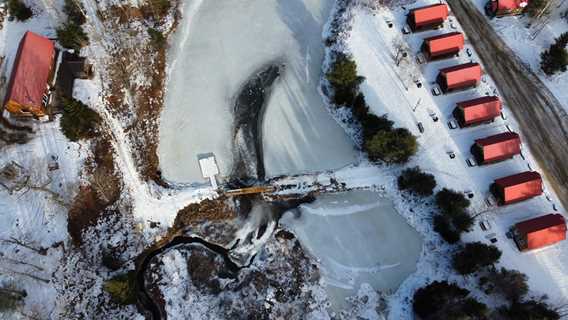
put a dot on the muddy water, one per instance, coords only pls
(217, 47)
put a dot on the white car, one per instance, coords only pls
(436, 91)
(452, 124)
(471, 162)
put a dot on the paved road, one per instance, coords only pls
(543, 121)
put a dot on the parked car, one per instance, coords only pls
(420, 127)
(471, 162)
(436, 91)
(452, 124)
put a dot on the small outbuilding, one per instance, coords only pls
(459, 77)
(517, 187)
(427, 17)
(539, 232)
(477, 111)
(500, 8)
(443, 46)
(27, 93)
(496, 148)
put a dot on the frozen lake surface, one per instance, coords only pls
(218, 46)
(358, 237)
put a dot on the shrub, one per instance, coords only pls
(442, 225)
(156, 8)
(473, 256)
(417, 182)
(511, 284)
(78, 121)
(529, 310)
(72, 36)
(451, 202)
(344, 80)
(443, 300)
(395, 146)
(19, 10)
(122, 288)
(555, 59)
(157, 39)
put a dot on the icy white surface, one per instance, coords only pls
(358, 238)
(219, 44)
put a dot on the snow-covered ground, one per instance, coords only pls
(391, 90)
(529, 38)
(219, 44)
(358, 238)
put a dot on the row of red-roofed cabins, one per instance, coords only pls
(530, 234)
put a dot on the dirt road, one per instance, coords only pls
(543, 121)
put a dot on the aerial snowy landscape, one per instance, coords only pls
(283, 159)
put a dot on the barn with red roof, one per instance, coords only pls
(427, 17)
(444, 45)
(517, 187)
(459, 77)
(539, 232)
(33, 68)
(477, 111)
(496, 148)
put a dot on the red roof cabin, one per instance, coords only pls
(518, 187)
(477, 111)
(496, 148)
(500, 8)
(428, 17)
(443, 46)
(31, 73)
(539, 232)
(459, 77)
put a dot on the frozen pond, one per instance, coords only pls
(218, 46)
(358, 237)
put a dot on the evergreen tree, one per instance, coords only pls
(443, 300)
(473, 256)
(19, 10)
(443, 226)
(511, 284)
(344, 80)
(373, 124)
(395, 146)
(416, 181)
(72, 36)
(74, 12)
(78, 121)
(555, 58)
(529, 310)
(451, 202)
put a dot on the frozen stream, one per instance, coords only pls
(358, 237)
(218, 46)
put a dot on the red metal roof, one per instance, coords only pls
(508, 5)
(500, 146)
(480, 109)
(520, 186)
(462, 75)
(448, 43)
(542, 231)
(31, 70)
(429, 15)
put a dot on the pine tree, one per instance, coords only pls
(473, 256)
(555, 58)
